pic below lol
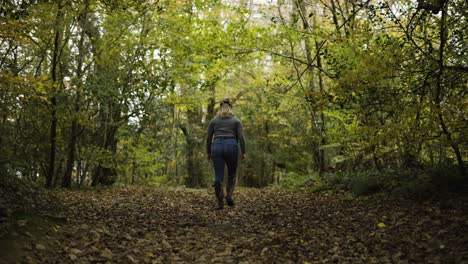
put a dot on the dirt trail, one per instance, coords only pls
(141, 225)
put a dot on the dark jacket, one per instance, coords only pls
(225, 127)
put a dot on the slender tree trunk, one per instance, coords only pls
(335, 17)
(315, 117)
(96, 174)
(134, 168)
(211, 103)
(440, 74)
(321, 124)
(79, 173)
(175, 136)
(53, 100)
(67, 177)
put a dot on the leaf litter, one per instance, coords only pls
(143, 225)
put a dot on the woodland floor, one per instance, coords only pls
(142, 225)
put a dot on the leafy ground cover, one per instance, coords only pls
(142, 225)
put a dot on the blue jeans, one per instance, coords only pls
(224, 151)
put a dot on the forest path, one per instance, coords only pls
(142, 225)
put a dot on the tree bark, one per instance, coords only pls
(67, 177)
(53, 100)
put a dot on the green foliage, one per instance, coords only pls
(422, 182)
(365, 183)
(320, 88)
(299, 182)
(294, 181)
(19, 196)
(447, 177)
(158, 181)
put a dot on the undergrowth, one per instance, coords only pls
(18, 196)
(398, 182)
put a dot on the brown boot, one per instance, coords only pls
(230, 191)
(219, 196)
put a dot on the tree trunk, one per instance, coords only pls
(211, 103)
(107, 175)
(314, 116)
(67, 177)
(134, 168)
(440, 74)
(335, 18)
(53, 100)
(195, 175)
(321, 124)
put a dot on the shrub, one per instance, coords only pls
(447, 178)
(398, 181)
(294, 180)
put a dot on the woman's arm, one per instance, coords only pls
(240, 137)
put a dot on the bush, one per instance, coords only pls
(447, 178)
(16, 196)
(364, 185)
(401, 181)
(294, 180)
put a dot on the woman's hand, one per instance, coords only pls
(243, 156)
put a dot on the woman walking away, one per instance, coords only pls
(224, 135)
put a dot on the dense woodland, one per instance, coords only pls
(354, 113)
(99, 92)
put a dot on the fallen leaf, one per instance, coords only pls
(40, 247)
(166, 244)
(75, 251)
(106, 253)
(132, 259)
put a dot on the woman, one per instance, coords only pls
(224, 135)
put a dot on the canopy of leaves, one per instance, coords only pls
(103, 92)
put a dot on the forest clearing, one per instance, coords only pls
(144, 225)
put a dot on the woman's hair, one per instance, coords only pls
(225, 109)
